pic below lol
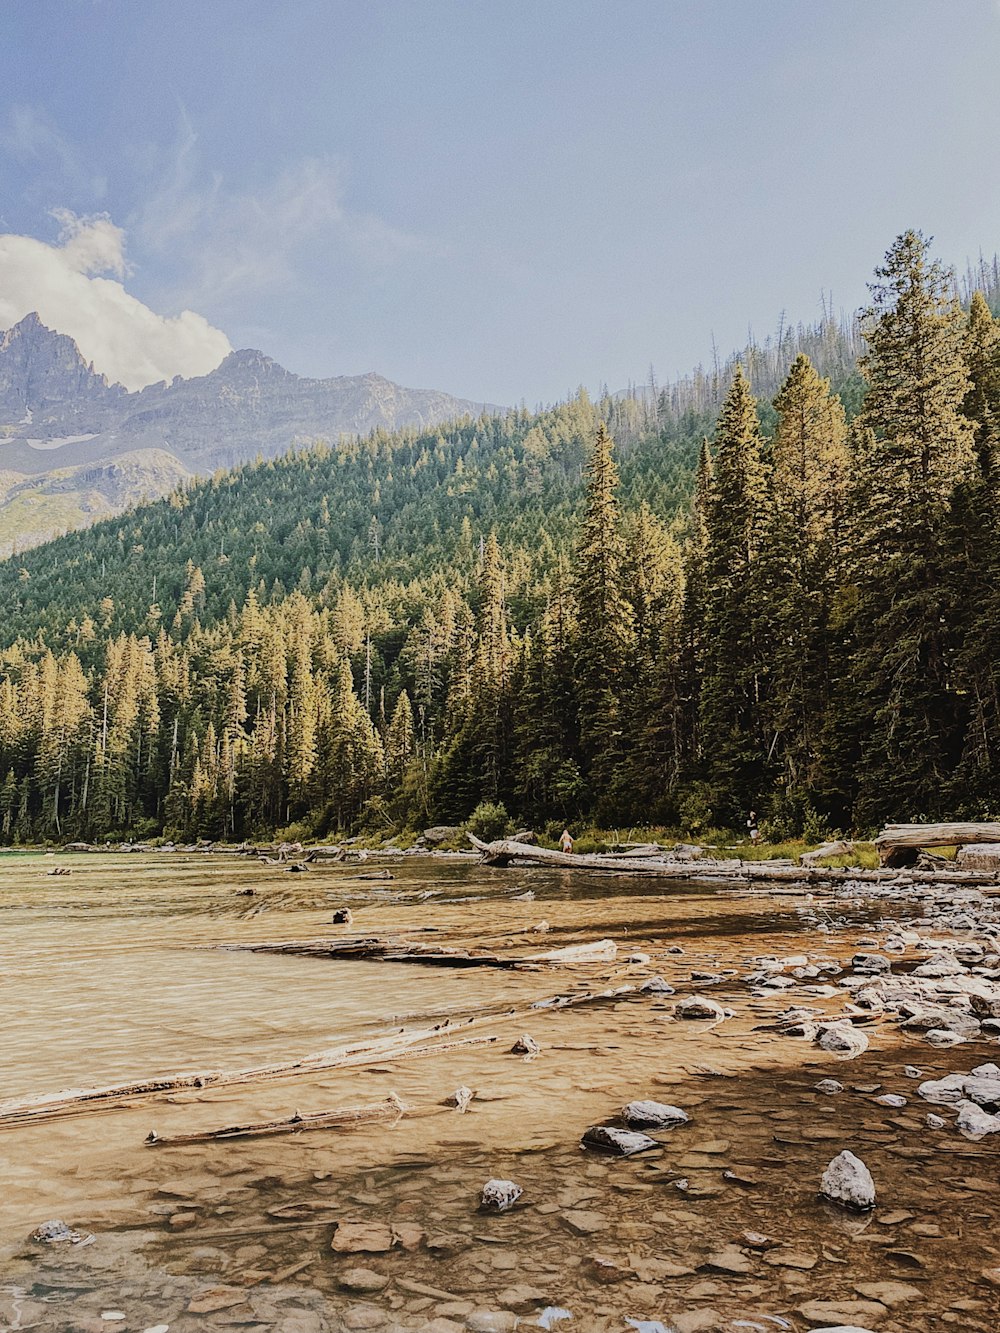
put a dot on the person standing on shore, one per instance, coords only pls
(752, 828)
(566, 842)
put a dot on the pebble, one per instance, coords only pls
(731, 1259)
(362, 1238)
(891, 1099)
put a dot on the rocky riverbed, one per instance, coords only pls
(736, 1045)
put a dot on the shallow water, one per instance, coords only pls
(112, 973)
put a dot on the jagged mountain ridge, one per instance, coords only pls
(58, 415)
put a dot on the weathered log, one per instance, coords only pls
(898, 844)
(835, 848)
(390, 1109)
(406, 951)
(722, 872)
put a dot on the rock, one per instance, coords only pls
(637, 957)
(583, 1222)
(462, 1097)
(362, 1279)
(653, 1115)
(848, 1181)
(182, 1221)
(521, 1298)
(911, 1071)
(755, 1240)
(620, 1142)
(889, 1293)
(821, 1312)
(493, 1321)
(829, 1087)
(362, 1317)
(939, 966)
(934, 1121)
(730, 1259)
(362, 1238)
(500, 1195)
(656, 986)
(944, 1037)
(945, 1091)
(891, 1099)
(843, 1038)
(342, 917)
(56, 1232)
(216, 1298)
(871, 963)
(786, 1257)
(698, 1006)
(525, 1045)
(973, 1120)
(607, 1271)
(992, 1276)
(441, 833)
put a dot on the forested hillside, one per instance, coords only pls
(800, 614)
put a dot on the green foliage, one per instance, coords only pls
(490, 821)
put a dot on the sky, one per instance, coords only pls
(504, 199)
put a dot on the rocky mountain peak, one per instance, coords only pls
(41, 370)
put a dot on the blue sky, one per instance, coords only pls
(501, 198)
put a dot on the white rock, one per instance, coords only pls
(934, 1121)
(653, 1115)
(501, 1194)
(829, 1086)
(891, 1099)
(844, 1039)
(972, 1119)
(986, 1071)
(943, 1037)
(848, 1181)
(943, 1091)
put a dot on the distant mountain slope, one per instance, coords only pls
(390, 510)
(59, 416)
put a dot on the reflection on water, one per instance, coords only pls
(106, 976)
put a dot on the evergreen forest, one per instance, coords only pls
(772, 585)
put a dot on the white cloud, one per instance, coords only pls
(68, 285)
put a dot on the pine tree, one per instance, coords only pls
(920, 452)
(802, 566)
(604, 632)
(732, 713)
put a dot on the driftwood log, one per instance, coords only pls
(413, 1044)
(432, 955)
(390, 1109)
(899, 844)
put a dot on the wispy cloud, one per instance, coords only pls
(29, 135)
(249, 242)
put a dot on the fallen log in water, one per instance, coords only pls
(391, 1109)
(446, 1036)
(502, 853)
(432, 955)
